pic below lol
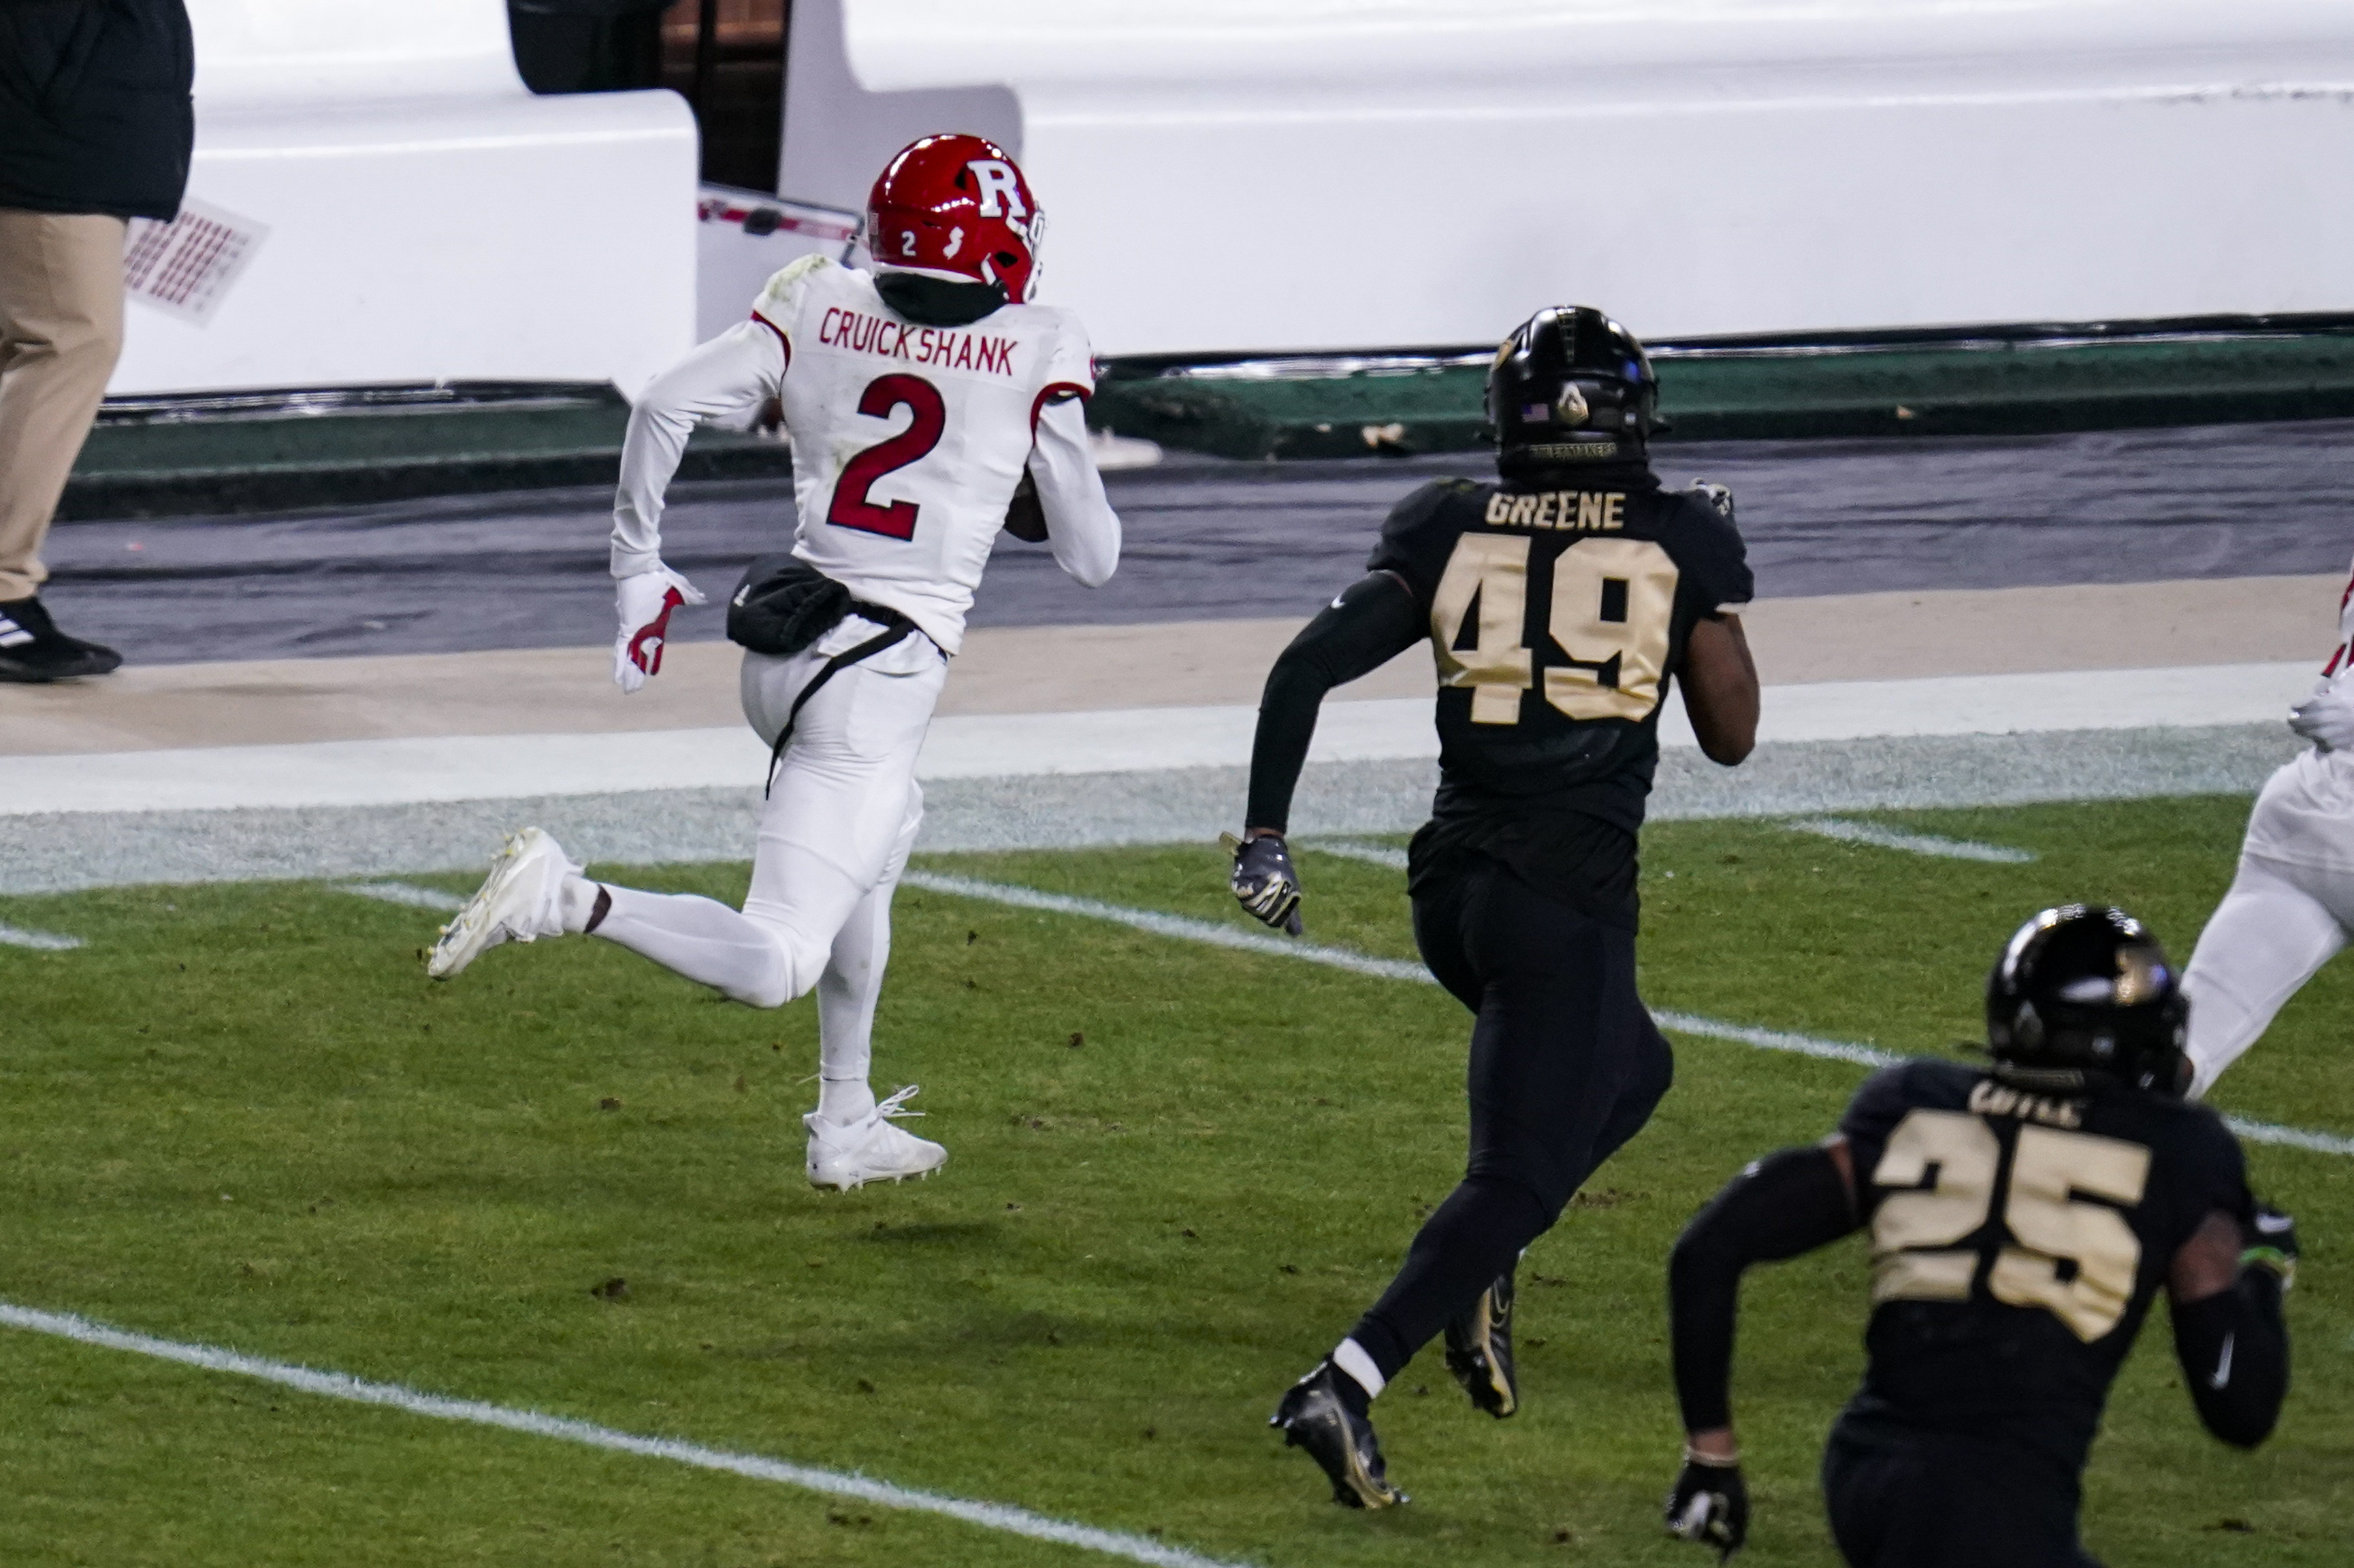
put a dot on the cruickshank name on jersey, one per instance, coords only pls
(1602, 511)
(886, 339)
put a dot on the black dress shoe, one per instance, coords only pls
(33, 649)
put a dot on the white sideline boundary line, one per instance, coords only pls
(1002, 1517)
(388, 770)
(1185, 928)
(39, 941)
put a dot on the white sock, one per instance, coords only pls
(1351, 1358)
(846, 995)
(844, 1101)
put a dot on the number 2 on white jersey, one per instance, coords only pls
(1613, 605)
(883, 396)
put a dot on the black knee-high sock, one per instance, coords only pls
(1473, 1237)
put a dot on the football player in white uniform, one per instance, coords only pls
(928, 402)
(2291, 907)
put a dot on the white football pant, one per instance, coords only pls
(2288, 912)
(834, 838)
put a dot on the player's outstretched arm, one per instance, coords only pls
(1372, 621)
(1081, 527)
(2229, 1332)
(1784, 1204)
(1720, 684)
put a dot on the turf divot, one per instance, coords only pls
(1184, 929)
(1001, 1517)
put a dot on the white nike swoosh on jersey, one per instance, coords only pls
(1336, 602)
(2223, 1372)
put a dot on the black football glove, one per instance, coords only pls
(1264, 881)
(1710, 1505)
(2272, 1245)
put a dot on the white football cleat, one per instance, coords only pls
(869, 1150)
(521, 901)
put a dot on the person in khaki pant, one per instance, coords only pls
(96, 128)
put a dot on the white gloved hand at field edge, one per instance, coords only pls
(2327, 717)
(644, 603)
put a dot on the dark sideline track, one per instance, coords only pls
(1213, 539)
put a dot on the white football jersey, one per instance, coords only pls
(909, 440)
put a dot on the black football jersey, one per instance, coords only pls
(1559, 616)
(2017, 1241)
(1559, 611)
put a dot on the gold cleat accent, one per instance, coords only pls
(1479, 1350)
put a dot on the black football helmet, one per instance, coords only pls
(1571, 385)
(2085, 988)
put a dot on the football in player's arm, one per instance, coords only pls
(1994, 1336)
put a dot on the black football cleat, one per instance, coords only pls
(1315, 1416)
(1479, 1350)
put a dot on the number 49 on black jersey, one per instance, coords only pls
(1558, 617)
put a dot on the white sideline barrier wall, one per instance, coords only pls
(429, 217)
(1326, 173)
(838, 135)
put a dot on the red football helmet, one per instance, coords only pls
(957, 204)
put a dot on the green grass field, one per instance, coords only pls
(241, 1116)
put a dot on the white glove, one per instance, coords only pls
(645, 602)
(2327, 717)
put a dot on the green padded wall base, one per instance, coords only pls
(2005, 381)
(199, 455)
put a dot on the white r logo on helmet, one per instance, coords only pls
(1001, 189)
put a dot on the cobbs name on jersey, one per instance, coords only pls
(936, 347)
(1602, 511)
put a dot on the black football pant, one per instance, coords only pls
(1565, 1068)
(1938, 1501)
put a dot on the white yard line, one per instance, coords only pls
(1185, 928)
(40, 941)
(1351, 849)
(1879, 837)
(406, 892)
(1001, 1517)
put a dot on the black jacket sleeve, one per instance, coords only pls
(1782, 1205)
(2233, 1346)
(1375, 620)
